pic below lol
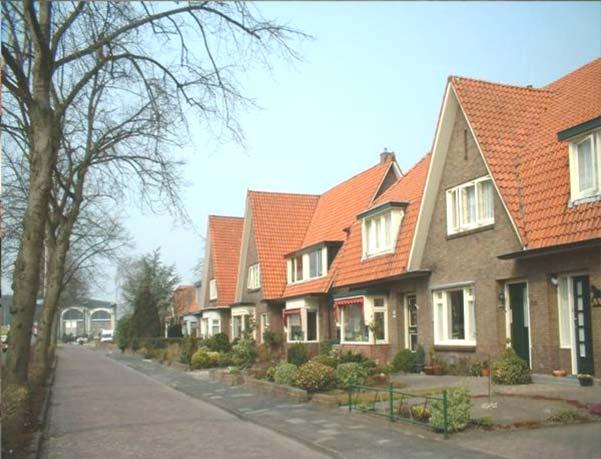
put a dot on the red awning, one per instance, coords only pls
(358, 300)
(289, 312)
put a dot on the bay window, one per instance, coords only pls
(215, 327)
(585, 166)
(236, 327)
(379, 320)
(354, 329)
(212, 289)
(295, 329)
(301, 319)
(454, 316)
(470, 205)
(253, 281)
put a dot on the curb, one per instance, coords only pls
(35, 447)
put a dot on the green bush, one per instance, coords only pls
(135, 343)
(459, 407)
(327, 346)
(205, 359)
(297, 354)
(270, 373)
(219, 343)
(244, 353)
(327, 360)
(189, 347)
(272, 339)
(314, 376)
(350, 374)
(511, 369)
(404, 361)
(122, 332)
(420, 357)
(285, 373)
(350, 356)
(225, 360)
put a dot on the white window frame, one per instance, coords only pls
(304, 308)
(253, 280)
(575, 192)
(407, 316)
(442, 323)
(306, 261)
(243, 314)
(213, 321)
(212, 289)
(264, 323)
(380, 309)
(379, 232)
(455, 208)
(369, 310)
(571, 338)
(289, 329)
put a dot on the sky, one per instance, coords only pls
(372, 77)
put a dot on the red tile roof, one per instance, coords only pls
(517, 128)
(350, 269)
(184, 300)
(225, 234)
(336, 210)
(280, 222)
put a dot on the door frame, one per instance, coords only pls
(508, 316)
(406, 316)
(570, 276)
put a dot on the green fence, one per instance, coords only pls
(397, 405)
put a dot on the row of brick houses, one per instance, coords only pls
(494, 237)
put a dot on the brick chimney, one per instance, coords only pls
(386, 156)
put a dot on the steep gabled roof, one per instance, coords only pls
(225, 234)
(280, 222)
(184, 299)
(350, 269)
(516, 129)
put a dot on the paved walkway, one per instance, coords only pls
(101, 409)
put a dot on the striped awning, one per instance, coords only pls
(289, 312)
(339, 303)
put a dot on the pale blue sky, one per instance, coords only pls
(373, 77)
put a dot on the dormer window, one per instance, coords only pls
(212, 289)
(585, 167)
(470, 206)
(311, 264)
(380, 229)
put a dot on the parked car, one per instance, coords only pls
(82, 339)
(106, 336)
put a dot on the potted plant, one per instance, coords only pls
(560, 373)
(485, 369)
(585, 380)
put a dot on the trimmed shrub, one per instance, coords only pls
(459, 407)
(326, 360)
(404, 361)
(511, 369)
(326, 346)
(350, 356)
(244, 353)
(122, 332)
(189, 347)
(350, 374)
(219, 343)
(297, 354)
(314, 376)
(285, 373)
(205, 359)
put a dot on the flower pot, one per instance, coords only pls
(429, 370)
(559, 373)
(585, 382)
(486, 372)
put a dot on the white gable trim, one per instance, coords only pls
(440, 149)
(246, 231)
(397, 172)
(205, 270)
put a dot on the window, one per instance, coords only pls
(212, 289)
(411, 322)
(253, 280)
(264, 323)
(315, 263)
(311, 325)
(563, 291)
(470, 206)
(215, 327)
(379, 322)
(379, 232)
(454, 316)
(353, 324)
(585, 167)
(295, 330)
(236, 327)
(298, 269)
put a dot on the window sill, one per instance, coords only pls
(470, 231)
(455, 347)
(357, 343)
(307, 280)
(253, 290)
(371, 256)
(584, 200)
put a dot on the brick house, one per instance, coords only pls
(220, 274)
(185, 308)
(510, 223)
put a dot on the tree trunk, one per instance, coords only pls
(43, 154)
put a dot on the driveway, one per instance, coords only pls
(101, 409)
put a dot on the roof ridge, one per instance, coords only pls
(225, 216)
(283, 193)
(355, 176)
(576, 70)
(495, 83)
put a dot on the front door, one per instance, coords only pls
(582, 322)
(520, 323)
(411, 322)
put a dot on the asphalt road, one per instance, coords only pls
(101, 409)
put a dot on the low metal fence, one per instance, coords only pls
(397, 405)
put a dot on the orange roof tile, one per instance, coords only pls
(184, 299)
(350, 269)
(225, 235)
(517, 128)
(280, 222)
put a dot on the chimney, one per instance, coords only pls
(386, 156)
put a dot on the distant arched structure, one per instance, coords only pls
(88, 317)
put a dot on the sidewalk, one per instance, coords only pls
(331, 430)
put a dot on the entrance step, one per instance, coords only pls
(550, 379)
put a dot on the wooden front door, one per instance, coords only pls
(582, 323)
(520, 321)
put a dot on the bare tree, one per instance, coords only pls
(145, 65)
